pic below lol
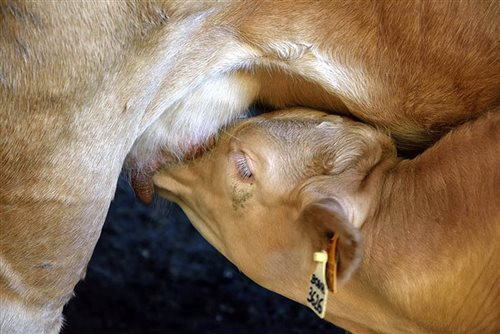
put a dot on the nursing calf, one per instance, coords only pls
(418, 239)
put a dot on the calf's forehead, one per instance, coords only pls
(298, 144)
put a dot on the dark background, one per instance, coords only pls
(152, 272)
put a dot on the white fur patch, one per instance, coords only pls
(16, 318)
(350, 82)
(286, 50)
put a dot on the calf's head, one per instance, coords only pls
(276, 187)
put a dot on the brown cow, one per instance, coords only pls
(85, 84)
(275, 188)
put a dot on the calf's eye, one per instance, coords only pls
(242, 167)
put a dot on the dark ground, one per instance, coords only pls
(153, 273)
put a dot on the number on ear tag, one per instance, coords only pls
(318, 289)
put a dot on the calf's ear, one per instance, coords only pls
(328, 213)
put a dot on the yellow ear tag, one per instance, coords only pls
(324, 278)
(318, 289)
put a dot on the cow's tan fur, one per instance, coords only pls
(84, 84)
(430, 225)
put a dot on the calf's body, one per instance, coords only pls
(275, 188)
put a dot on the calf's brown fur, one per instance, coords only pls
(86, 86)
(430, 225)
